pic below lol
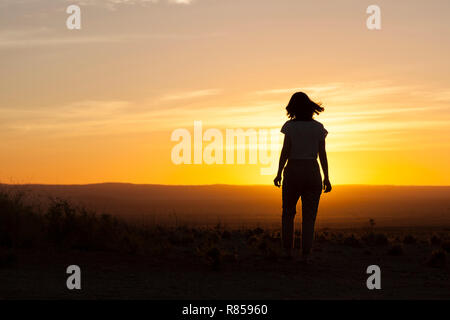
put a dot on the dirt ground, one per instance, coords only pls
(239, 265)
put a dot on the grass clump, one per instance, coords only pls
(395, 250)
(352, 241)
(437, 259)
(375, 239)
(435, 240)
(446, 246)
(409, 239)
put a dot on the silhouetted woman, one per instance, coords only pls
(304, 139)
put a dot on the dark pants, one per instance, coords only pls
(301, 178)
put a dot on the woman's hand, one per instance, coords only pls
(277, 181)
(326, 185)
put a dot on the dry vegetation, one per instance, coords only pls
(126, 260)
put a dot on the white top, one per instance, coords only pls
(305, 137)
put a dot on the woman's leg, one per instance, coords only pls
(290, 194)
(310, 204)
(310, 193)
(287, 231)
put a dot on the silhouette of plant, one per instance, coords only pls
(395, 250)
(438, 259)
(372, 224)
(352, 241)
(375, 239)
(446, 246)
(435, 240)
(226, 235)
(409, 239)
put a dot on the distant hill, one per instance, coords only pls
(346, 206)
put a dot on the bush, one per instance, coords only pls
(258, 231)
(352, 241)
(395, 250)
(435, 240)
(181, 237)
(61, 225)
(214, 257)
(226, 235)
(19, 226)
(438, 259)
(321, 237)
(375, 239)
(72, 227)
(263, 246)
(252, 240)
(446, 246)
(409, 239)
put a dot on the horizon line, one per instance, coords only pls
(206, 185)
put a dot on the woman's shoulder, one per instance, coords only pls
(286, 125)
(304, 124)
(321, 129)
(317, 123)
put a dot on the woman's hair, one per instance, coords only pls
(300, 107)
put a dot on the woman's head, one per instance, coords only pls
(300, 107)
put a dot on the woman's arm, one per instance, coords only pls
(324, 163)
(283, 158)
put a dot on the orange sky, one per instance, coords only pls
(99, 104)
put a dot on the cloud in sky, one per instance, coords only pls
(42, 37)
(351, 127)
(112, 4)
(130, 2)
(192, 94)
(109, 4)
(317, 89)
(142, 1)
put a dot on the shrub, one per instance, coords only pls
(375, 239)
(339, 236)
(372, 223)
(395, 250)
(263, 246)
(214, 257)
(258, 231)
(435, 240)
(180, 238)
(19, 225)
(438, 259)
(446, 246)
(409, 239)
(61, 225)
(226, 235)
(272, 254)
(230, 257)
(321, 237)
(252, 240)
(352, 241)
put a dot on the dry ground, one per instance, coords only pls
(242, 264)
